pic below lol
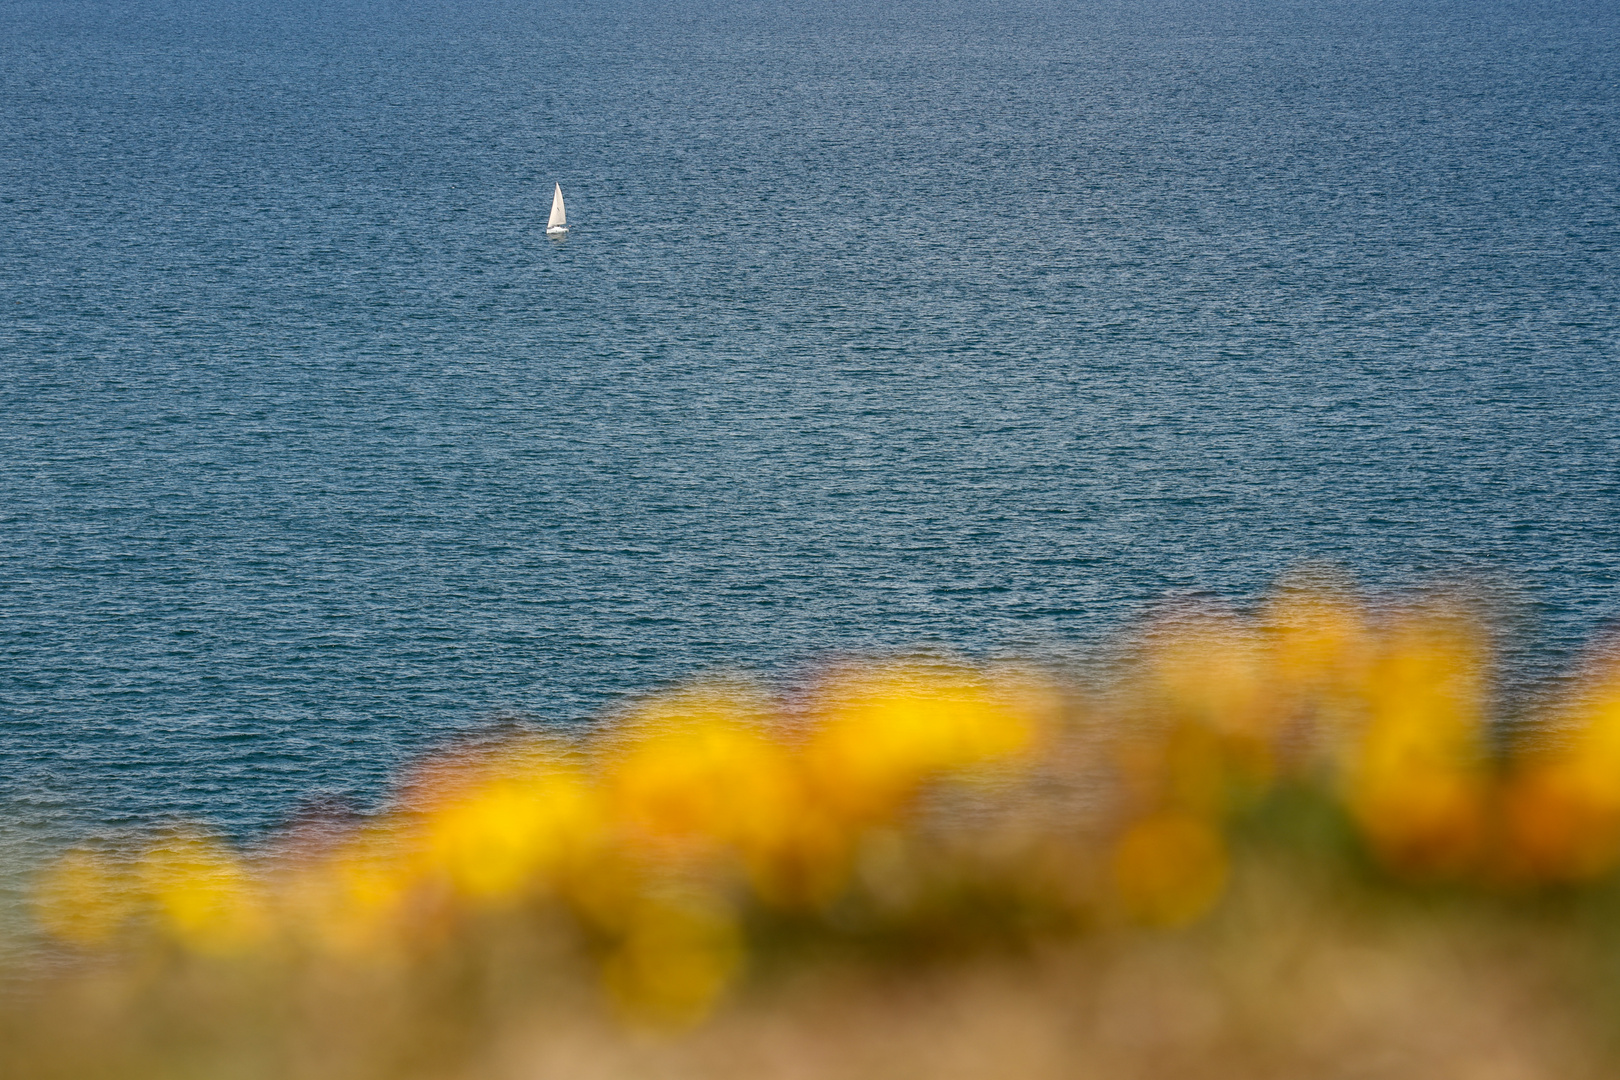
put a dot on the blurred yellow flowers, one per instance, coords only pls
(675, 841)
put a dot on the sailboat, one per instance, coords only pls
(557, 224)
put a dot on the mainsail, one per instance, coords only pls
(559, 220)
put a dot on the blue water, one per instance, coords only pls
(880, 326)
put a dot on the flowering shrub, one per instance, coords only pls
(923, 801)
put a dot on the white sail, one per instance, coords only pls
(559, 220)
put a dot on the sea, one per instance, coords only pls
(966, 326)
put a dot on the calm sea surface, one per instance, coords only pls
(880, 326)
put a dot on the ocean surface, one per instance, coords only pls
(879, 327)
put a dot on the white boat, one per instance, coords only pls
(557, 225)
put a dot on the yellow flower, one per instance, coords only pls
(513, 834)
(1561, 806)
(1199, 716)
(676, 957)
(356, 902)
(704, 774)
(706, 782)
(1210, 669)
(1417, 780)
(883, 732)
(1170, 869)
(1321, 650)
(203, 897)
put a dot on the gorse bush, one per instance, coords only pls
(656, 838)
(919, 810)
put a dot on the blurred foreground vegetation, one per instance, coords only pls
(1293, 843)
